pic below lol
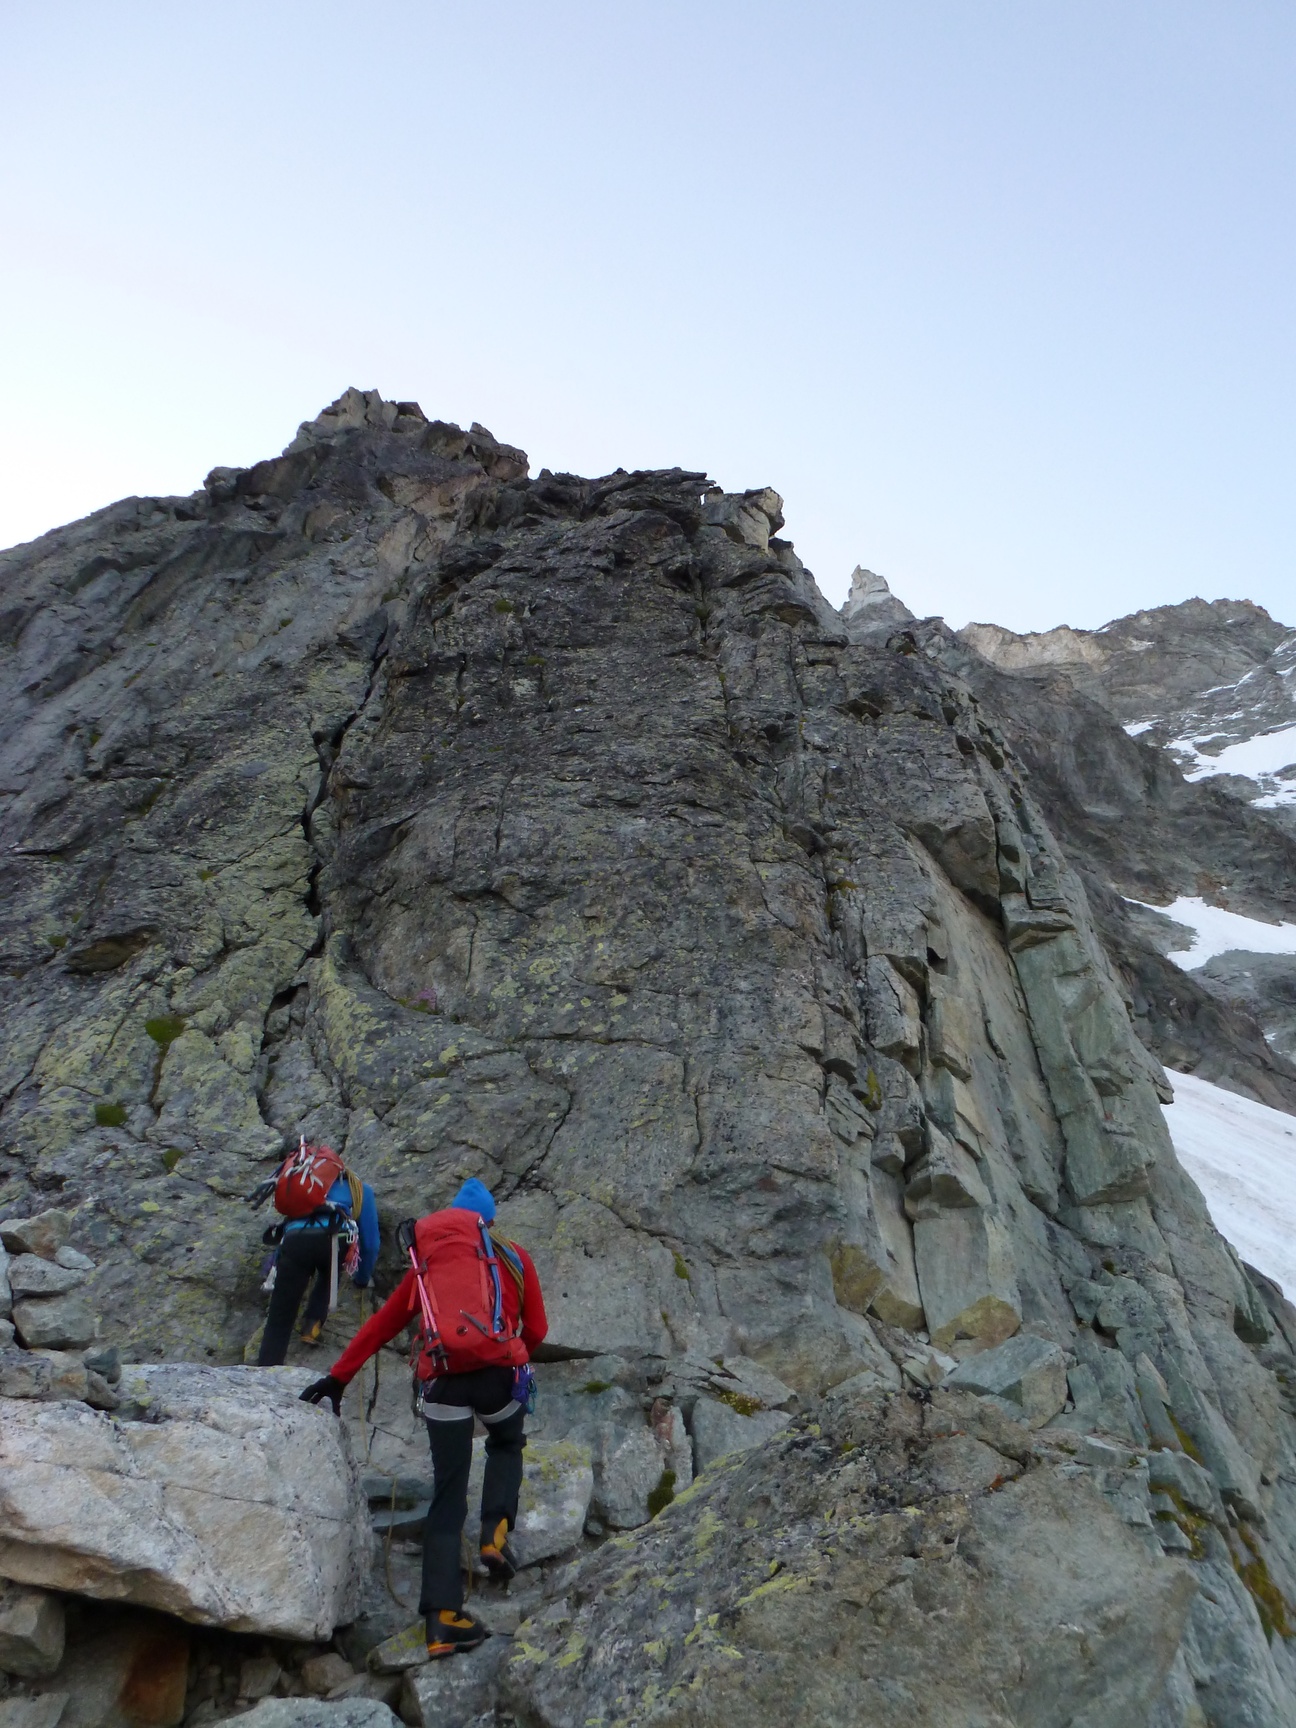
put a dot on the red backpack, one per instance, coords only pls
(304, 1180)
(470, 1294)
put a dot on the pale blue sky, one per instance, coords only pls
(997, 293)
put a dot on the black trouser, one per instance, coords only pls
(450, 1404)
(303, 1255)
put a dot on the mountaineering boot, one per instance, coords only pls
(449, 1633)
(497, 1557)
(311, 1333)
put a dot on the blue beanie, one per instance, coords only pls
(475, 1196)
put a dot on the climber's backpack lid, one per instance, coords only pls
(304, 1180)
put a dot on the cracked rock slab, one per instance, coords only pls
(865, 1568)
(233, 1505)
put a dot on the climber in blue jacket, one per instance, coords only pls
(306, 1251)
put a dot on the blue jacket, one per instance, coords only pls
(340, 1195)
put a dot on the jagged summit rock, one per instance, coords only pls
(1062, 646)
(1158, 657)
(747, 517)
(870, 604)
(767, 965)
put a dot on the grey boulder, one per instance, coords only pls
(557, 1481)
(43, 1234)
(45, 1711)
(53, 1322)
(31, 1632)
(233, 1505)
(453, 1694)
(30, 1275)
(52, 1374)
(74, 1259)
(25, 1375)
(718, 1430)
(320, 1713)
(1027, 1371)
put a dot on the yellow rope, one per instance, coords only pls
(391, 1588)
(367, 1406)
(357, 1194)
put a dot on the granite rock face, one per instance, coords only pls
(869, 1569)
(556, 831)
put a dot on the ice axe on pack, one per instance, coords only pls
(263, 1190)
(433, 1347)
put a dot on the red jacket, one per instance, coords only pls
(402, 1306)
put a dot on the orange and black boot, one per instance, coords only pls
(450, 1632)
(312, 1331)
(497, 1557)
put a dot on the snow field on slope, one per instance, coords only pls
(1242, 1155)
(1216, 931)
(1261, 758)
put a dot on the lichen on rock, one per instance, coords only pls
(557, 832)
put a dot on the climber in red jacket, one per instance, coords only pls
(480, 1312)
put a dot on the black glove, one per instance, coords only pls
(329, 1388)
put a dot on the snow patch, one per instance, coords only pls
(1242, 1156)
(1263, 758)
(1216, 931)
(1137, 726)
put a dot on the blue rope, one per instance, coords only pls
(497, 1307)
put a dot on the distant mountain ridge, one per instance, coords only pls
(1129, 732)
(1203, 679)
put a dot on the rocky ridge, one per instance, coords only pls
(1196, 679)
(1201, 692)
(557, 831)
